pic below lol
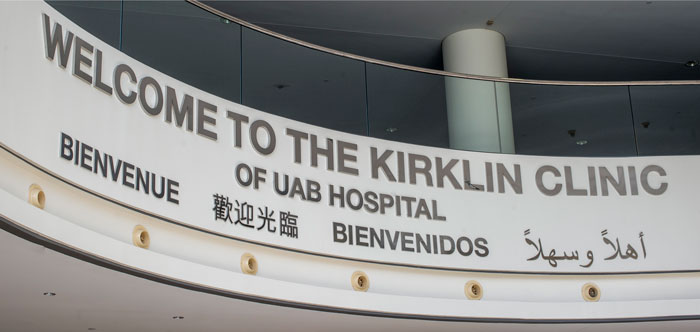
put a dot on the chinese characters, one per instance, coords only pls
(243, 214)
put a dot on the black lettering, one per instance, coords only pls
(423, 243)
(446, 242)
(503, 174)
(202, 119)
(100, 163)
(64, 45)
(153, 186)
(378, 163)
(86, 156)
(407, 242)
(238, 119)
(481, 249)
(332, 195)
(540, 184)
(98, 74)
(297, 136)
(66, 151)
(80, 59)
(414, 169)
(143, 180)
(327, 152)
(173, 192)
(385, 201)
(446, 172)
(344, 158)
(239, 175)
(118, 71)
(354, 199)
(393, 241)
(114, 170)
(371, 202)
(607, 178)
(313, 191)
(272, 140)
(127, 173)
(644, 178)
(158, 107)
(361, 236)
(469, 244)
(297, 189)
(339, 233)
(376, 237)
(183, 112)
(278, 189)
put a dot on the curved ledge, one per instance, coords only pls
(426, 70)
(206, 231)
(18, 229)
(198, 215)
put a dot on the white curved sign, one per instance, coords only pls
(102, 120)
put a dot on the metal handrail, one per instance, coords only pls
(426, 70)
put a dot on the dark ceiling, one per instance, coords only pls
(640, 40)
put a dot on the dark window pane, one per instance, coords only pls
(303, 84)
(100, 18)
(572, 120)
(667, 119)
(186, 43)
(406, 106)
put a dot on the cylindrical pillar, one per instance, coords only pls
(478, 112)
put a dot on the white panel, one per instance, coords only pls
(42, 100)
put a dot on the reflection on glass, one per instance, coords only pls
(100, 18)
(479, 115)
(667, 119)
(406, 106)
(339, 93)
(572, 120)
(303, 84)
(186, 43)
(505, 117)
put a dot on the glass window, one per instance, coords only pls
(303, 84)
(667, 119)
(406, 106)
(572, 120)
(185, 42)
(100, 18)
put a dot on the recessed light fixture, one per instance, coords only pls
(49, 294)
(224, 20)
(691, 63)
(178, 317)
(581, 142)
(391, 130)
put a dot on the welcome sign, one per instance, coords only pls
(100, 119)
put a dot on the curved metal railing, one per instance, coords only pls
(252, 26)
